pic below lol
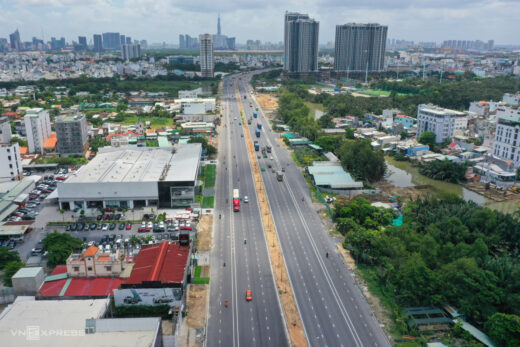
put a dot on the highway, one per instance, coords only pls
(332, 308)
(258, 322)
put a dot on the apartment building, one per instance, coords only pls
(440, 121)
(207, 60)
(507, 142)
(72, 134)
(38, 128)
(301, 44)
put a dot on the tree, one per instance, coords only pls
(62, 212)
(7, 256)
(443, 170)
(504, 329)
(349, 133)
(10, 270)
(358, 157)
(59, 247)
(428, 138)
(96, 142)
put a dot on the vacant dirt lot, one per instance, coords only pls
(268, 102)
(196, 305)
(204, 235)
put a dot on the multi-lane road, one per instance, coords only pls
(239, 259)
(332, 307)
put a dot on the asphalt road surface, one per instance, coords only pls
(239, 243)
(333, 310)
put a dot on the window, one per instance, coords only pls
(75, 268)
(108, 268)
(89, 268)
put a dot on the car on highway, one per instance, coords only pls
(249, 295)
(246, 199)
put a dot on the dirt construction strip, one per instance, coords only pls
(285, 291)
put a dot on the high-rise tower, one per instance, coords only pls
(360, 47)
(218, 26)
(301, 43)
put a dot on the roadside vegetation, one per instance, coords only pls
(448, 251)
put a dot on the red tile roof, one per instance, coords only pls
(165, 263)
(98, 286)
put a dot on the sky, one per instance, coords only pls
(164, 20)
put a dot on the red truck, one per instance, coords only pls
(236, 200)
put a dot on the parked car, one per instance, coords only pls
(93, 226)
(105, 227)
(128, 226)
(130, 300)
(112, 226)
(121, 226)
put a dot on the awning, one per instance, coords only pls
(21, 198)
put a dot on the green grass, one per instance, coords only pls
(155, 122)
(208, 201)
(376, 92)
(209, 175)
(198, 199)
(196, 276)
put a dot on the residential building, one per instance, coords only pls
(506, 110)
(11, 168)
(130, 51)
(82, 42)
(38, 129)
(111, 41)
(72, 134)
(440, 121)
(14, 39)
(360, 47)
(98, 43)
(207, 61)
(511, 99)
(301, 44)
(480, 108)
(405, 121)
(507, 140)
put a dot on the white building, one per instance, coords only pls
(129, 177)
(130, 51)
(440, 121)
(480, 108)
(10, 158)
(504, 110)
(511, 99)
(507, 139)
(59, 323)
(197, 106)
(95, 263)
(38, 128)
(186, 94)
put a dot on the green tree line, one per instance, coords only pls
(448, 251)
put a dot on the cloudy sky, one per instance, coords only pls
(164, 20)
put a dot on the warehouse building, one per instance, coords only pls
(133, 177)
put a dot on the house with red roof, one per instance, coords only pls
(164, 265)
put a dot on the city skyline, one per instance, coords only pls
(406, 19)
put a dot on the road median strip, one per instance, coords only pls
(285, 291)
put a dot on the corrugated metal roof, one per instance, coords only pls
(333, 176)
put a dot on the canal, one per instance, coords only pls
(403, 174)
